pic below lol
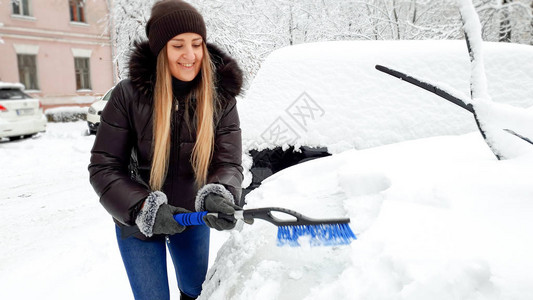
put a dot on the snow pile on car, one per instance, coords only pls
(436, 214)
(436, 218)
(11, 85)
(329, 94)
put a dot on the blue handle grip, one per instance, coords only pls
(189, 219)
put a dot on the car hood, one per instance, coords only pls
(99, 105)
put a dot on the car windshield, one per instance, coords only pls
(12, 94)
(107, 95)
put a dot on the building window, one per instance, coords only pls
(21, 7)
(28, 70)
(77, 13)
(83, 73)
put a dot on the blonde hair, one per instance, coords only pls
(206, 108)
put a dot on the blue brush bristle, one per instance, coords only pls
(318, 235)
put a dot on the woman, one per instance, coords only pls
(169, 142)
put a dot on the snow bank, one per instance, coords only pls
(329, 94)
(437, 218)
(66, 113)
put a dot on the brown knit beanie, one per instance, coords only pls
(170, 18)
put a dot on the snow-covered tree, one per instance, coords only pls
(251, 29)
(506, 20)
(127, 21)
(248, 30)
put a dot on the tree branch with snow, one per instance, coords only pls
(507, 130)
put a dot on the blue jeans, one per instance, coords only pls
(146, 263)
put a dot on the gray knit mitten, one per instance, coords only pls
(215, 198)
(157, 217)
(164, 220)
(216, 203)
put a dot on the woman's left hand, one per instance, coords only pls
(217, 204)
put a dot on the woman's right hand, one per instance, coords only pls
(164, 220)
(157, 216)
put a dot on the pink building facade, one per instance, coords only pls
(59, 49)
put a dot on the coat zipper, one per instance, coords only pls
(176, 138)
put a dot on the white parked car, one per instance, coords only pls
(95, 110)
(21, 116)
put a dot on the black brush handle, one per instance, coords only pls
(265, 213)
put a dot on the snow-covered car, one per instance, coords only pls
(332, 104)
(424, 192)
(21, 116)
(95, 110)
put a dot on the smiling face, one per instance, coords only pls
(185, 53)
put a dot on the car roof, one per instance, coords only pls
(341, 101)
(11, 86)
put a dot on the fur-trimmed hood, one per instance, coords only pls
(142, 71)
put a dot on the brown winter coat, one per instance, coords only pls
(121, 155)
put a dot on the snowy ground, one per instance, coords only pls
(57, 240)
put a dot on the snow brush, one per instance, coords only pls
(326, 232)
